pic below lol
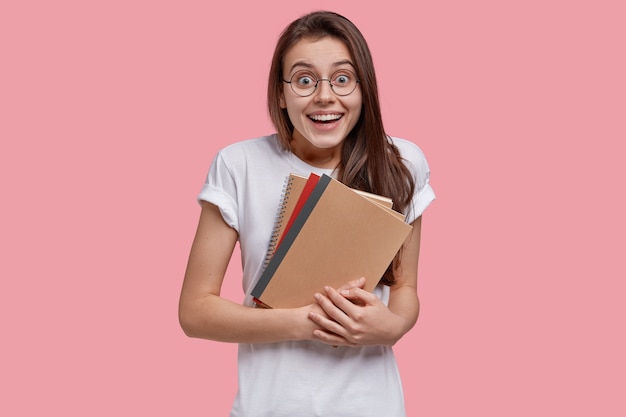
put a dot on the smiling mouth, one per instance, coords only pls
(325, 118)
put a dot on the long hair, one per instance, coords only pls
(369, 161)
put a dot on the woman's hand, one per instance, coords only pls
(355, 317)
(307, 327)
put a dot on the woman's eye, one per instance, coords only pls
(342, 79)
(305, 80)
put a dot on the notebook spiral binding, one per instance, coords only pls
(278, 221)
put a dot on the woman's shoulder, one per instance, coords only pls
(249, 150)
(410, 151)
(405, 145)
(258, 153)
(258, 144)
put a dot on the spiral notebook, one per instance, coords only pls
(292, 190)
(336, 236)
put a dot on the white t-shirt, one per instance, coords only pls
(300, 378)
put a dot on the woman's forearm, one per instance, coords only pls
(404, 303)
(215, 318)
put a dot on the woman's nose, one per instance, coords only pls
(324, 91)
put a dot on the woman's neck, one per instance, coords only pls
(318, 157)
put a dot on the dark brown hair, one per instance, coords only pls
(369, 161)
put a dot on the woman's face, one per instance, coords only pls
(323, 119)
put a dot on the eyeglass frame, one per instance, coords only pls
(317, 81)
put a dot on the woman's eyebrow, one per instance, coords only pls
(343, 62)
(301, 64)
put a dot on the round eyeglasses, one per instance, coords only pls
(304, 82)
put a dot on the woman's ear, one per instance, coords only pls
(282, 101)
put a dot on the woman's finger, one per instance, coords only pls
(334, 311)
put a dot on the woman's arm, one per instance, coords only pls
(358, 317)
(204, 314)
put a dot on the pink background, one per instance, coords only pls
(111, 111)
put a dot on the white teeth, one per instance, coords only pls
(325, 117)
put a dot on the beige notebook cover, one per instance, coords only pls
(294, 185)
(338, 236)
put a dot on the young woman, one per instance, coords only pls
(333, 357)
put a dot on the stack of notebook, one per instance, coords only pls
(327, 234)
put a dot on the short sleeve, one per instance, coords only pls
(220, 189)
(416, 161)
